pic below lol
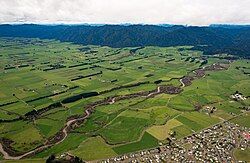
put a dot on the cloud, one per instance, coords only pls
(192, 12)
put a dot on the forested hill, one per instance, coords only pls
(219, 39)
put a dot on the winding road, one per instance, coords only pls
(182, 84)
(154, 93)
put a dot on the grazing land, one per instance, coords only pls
(87, 149)
(242, 155)
(97, 102)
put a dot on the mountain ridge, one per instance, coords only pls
(219, 39)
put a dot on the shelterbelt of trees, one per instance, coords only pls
(211, 40)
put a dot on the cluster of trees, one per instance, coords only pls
(53, 67)
(79, 96)
(34, 113)
(9, 103)
(86, 76)
(52, 159)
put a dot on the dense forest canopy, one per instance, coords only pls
(217, 38)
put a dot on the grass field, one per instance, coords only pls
(242, 155)
(36, 74)
(147, 141)
(70, 143)
(197, 121)
(182, 131)
(243, 120)
(124, 129)
(25, 161)
(93, 149)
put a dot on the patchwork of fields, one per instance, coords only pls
(46, 83)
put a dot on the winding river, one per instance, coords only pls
(65, 130)
(63, 133)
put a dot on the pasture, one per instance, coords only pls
(243, 120)
(147, 141)
(44, 83)
(93, 149)
(242, 155)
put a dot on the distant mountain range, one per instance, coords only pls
(217, 38)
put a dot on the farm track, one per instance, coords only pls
(182, 84)
(63, 133)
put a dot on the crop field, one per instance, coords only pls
(163, 132)
(116, 100)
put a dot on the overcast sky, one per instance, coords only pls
(191, 12)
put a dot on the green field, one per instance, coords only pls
(44, 82)
(242, 155)
(147, 141)
(243, 120)
(182, 131)
(197, 121)
(71, 142)
(93, 149)
(25, 161)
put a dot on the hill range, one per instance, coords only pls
(216, 38)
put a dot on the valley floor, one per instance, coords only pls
(59, 98)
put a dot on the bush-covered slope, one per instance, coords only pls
(219, 39)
